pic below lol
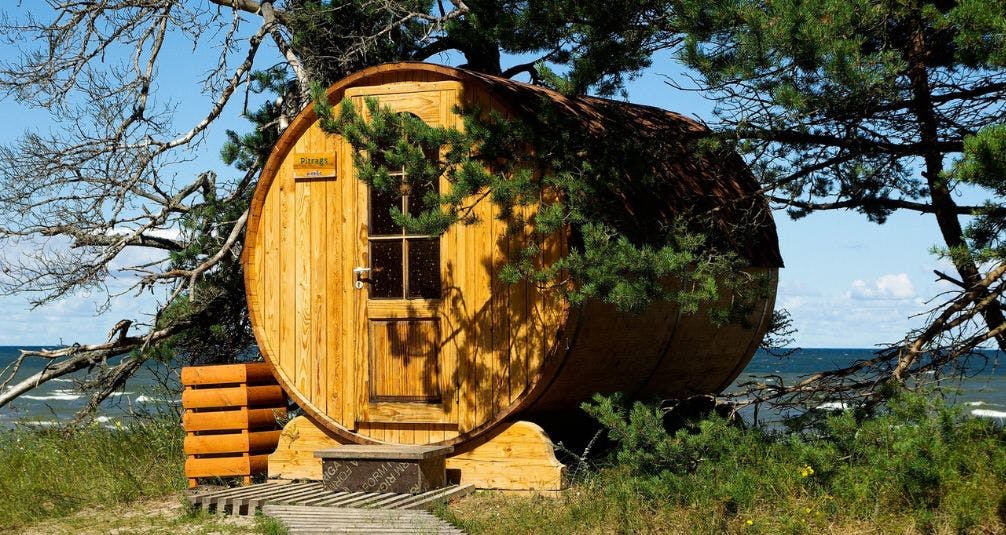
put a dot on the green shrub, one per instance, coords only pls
(916, 457)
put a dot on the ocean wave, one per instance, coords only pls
(833, 406)
(975, 403)
(62, 380)
(148, 399)
(986, 413)
(42, 423)
(56, 395)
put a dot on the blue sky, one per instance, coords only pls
(847, 282)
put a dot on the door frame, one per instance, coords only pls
(365, 310)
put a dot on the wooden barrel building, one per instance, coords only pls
(436, 349)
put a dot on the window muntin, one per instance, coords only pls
(403, 265)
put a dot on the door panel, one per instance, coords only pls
(404, 360)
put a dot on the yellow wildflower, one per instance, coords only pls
(806, 471)
(749, 522)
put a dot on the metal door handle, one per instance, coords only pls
(358, 273)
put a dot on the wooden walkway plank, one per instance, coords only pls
(354, 502)
(259, 501)
(416, 501)
(202, 496)
(308, 493)
(216, 501)
(309, 508)
(304, 520)
(323, 498)
(344, 500)
(237, 501)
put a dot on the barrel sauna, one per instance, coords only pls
(385, 337)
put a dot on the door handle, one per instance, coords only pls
(358, 273)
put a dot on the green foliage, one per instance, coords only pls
(599, 48)
(917, 456)
(270, 526)
(818, 93)
(249, 152)
(48, 473)
(327, 36)
(983, 163)
(573, 179)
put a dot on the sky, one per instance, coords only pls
(847, 282)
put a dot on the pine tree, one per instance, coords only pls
(873, 106)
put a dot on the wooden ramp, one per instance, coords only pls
(247, 500)
(308, 520)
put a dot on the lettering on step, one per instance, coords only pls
(371, 476)
(336, 475)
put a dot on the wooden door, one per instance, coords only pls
(407, 372)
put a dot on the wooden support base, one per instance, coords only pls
(518, 457)
(294, 456)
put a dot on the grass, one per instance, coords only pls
(49, 473)
(96, 480)
(918, 468)
(166, 516)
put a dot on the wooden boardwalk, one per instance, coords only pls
(309, 509)
(246, 500)
(307, 520)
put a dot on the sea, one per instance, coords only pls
(982, 393)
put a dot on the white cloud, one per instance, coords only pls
(886, 287)
(867, 313)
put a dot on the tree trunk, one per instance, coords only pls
(944, 207)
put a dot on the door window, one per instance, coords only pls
(403, 265)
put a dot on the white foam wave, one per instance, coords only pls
(833, 406)
(986, 413)
(62, 380)
(102, 419)
(57, 395)
(148, 399)
(975, 403)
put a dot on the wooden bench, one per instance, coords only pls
(384, 468)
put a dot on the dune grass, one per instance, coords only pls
(50, 473)
(920, 467)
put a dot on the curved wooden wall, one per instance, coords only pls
(303, 303)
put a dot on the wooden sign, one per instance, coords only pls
(314, 165)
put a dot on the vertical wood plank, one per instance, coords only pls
(448, 368)
(361, 350)
(351, 330)
(423, 434)
(269, 273)
(407, 434)
(461, 318)
(482, 248)
(302, 237)
(335, 287)
(287, 269)
(319, 288)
